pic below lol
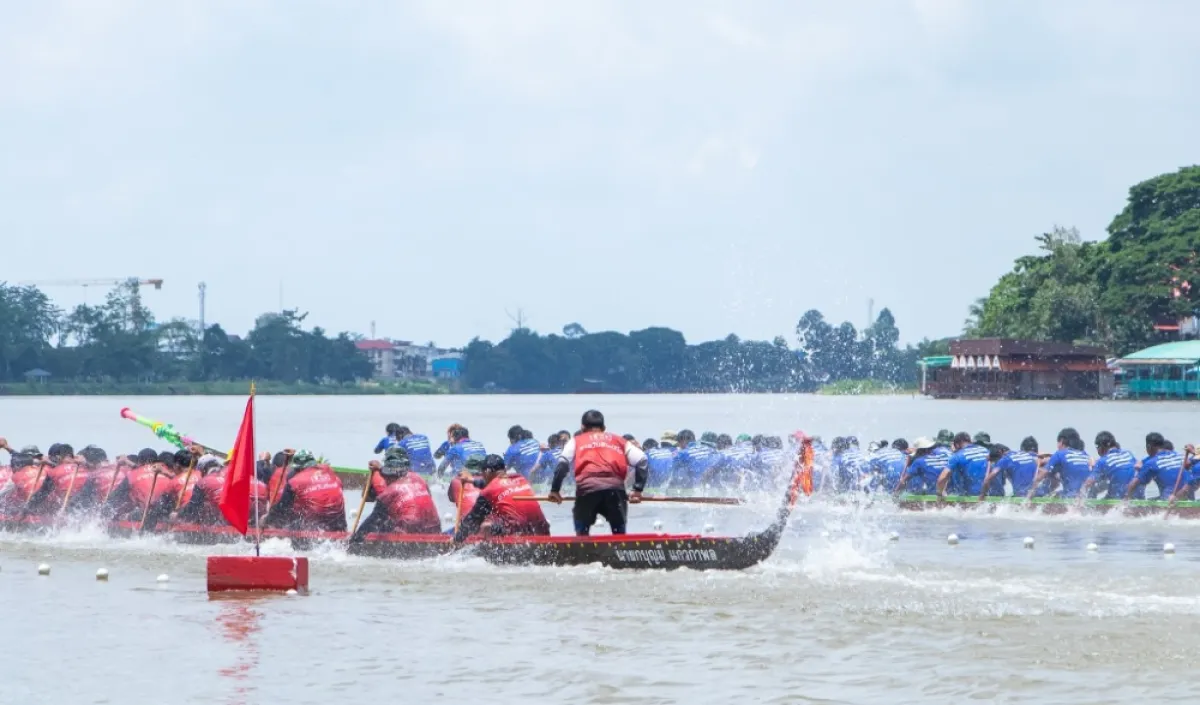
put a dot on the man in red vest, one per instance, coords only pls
(602, 461)
(498, 506)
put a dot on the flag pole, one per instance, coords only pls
(254, 479)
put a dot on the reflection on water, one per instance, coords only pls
(239, 622)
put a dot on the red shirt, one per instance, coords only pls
(104, 477)
(470, 493)
(509, 515)
(410, 506)
(212, 487)
(63, 477)
(318, 494)
(144, 487)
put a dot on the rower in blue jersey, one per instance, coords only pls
(417, 446)
(1114, 471)
(924, 469)
(851, 469)
(737, 460)
(1068, 468)
(1163, 467)
(389, 440)
(461, 448)
(888, 463)
(523, 452)
(969, 466)
(1018, 467)
(691, 462)
(660, 458)
(544, 471)
(770, 460)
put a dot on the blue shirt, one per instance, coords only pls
(1020, 467)
(691, 463)
(460, 451)
(888, 464)
(969, 466)
(924, 473)
(385, 443)
(849, 468)
(523, 456)
(1118, 468)
(1166, 470)
(738, 458)
(417, 446)
(1071, 468)
(661, 461)
(544, 470)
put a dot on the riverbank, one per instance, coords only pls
(863, 387)
(234, 388)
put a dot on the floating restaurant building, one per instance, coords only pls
(1001, 368)
(1167, 371)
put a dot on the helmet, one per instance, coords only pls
(475, 463)
(397, 457)
(493, 463)
(982, 439)
(303, 459)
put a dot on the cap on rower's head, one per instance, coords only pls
(668, 437)
(852, 441)
(923, 443)
(945, 436)
(93, 455)
(592, 420)
(493, 463)
(982, 439)
(474, 463)
(514, 433)
(31, 451)
(629, 437)
(743, 437)
(1029, 444)
(60, 451)
(708, 438)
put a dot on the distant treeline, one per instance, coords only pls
(661, 360)
(120, 342)
(1113, 292)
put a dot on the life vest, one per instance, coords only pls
(26, 482)
(212, 487)
(62, 476)
(144, 488)
(102, 478)
(318, 495)
(470, 493)
(510, 516)
(410, 506)
(600, 462)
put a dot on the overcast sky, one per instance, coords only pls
(714, 167)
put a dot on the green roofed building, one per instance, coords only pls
(1170, 370)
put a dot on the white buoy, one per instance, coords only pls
(163, 578)
(952, 539)
(1028, 542)
(44, 569)
(894, 536)
(102, 574)
(658, 525)
(291, 593)
(1168, 548)
(709, 528)
(353, 514)
(448, 517)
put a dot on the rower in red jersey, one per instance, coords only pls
(602, 461)
(67, 474)
(30, 486)
(466, 488)
(404, 505)
(311, 499)
(498, 507)
(203, 504)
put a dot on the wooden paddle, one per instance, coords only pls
(287, 460)
(362, 503)
(677, 500)
(70, 489)
(149, 497)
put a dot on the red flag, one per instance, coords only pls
(235, 504)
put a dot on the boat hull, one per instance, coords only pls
(632, 551)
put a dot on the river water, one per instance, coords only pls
(840, 614)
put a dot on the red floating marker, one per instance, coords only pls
(260, 573)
